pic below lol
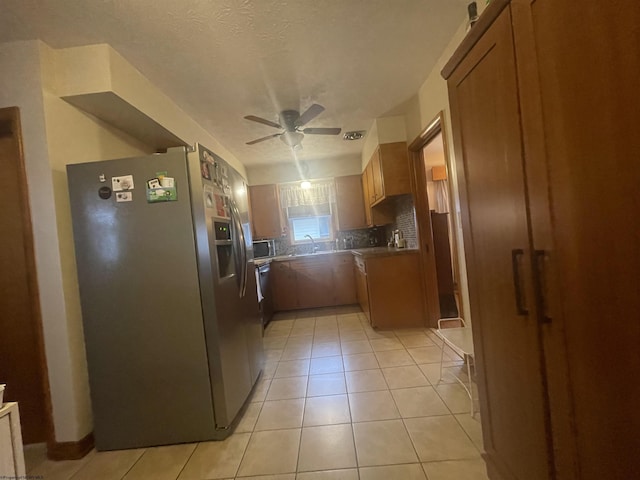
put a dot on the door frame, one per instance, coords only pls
(423, 218)
(10, 125)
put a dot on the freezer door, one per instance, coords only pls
(141, 310)
(250, 307)
(230, 343)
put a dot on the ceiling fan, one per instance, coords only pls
(291, 122)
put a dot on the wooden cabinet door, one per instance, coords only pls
(371, 191)
(314, 283)
(485, 113)
(350, 202)
(393, 159)
(586, 108)
(265, 211)
(394, 288)
(344, 282)
(365, 197)
(376, 175)
(361, 287)
(283, 289)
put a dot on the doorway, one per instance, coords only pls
(22, 359)
(434, 214)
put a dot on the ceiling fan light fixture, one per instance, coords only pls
(292, 139)
(354, 135)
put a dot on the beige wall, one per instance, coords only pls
(294, 171)
(20, 85)
(32, 76)
(433, 98)
(74, 136)
(384, 130)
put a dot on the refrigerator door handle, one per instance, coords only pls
(243, 248)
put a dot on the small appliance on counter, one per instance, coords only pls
(264, 248)
(398, 240)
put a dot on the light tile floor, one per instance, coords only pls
(337, 401)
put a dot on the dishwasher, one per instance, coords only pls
(266, 303)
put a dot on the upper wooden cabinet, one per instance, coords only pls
(350, 203)
(380, 214)
(365, 198)
(265, 211)
(544, 105)
(388, 172)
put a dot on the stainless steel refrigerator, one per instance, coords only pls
(167, 286)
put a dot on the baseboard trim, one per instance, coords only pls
(70, 450)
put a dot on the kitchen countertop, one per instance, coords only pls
(382, 251)
(364, 252)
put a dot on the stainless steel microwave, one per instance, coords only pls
(264, 248)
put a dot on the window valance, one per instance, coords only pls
(319, 193)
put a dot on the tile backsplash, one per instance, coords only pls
(405, 220)
(362, 238)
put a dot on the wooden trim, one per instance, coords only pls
(70, 450)
(484, 22)
(429, 279)
(423, 217)
(10, 117)
(455, 254)
(428, 133)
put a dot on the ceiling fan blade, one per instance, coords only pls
(322, 131)
(264, 121)
(312, 112)
(263, 139)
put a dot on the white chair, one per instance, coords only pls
(460, 340)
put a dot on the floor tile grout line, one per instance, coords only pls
(135, 463)
(189, 458)
(395, 403)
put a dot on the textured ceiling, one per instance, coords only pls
(223, 59)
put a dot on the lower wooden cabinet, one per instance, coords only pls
(388, 287)
(390, 290)
(283, 286)
(362, 293)
(344, 283)
(313, 281)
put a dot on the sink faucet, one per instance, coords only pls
(313, 243)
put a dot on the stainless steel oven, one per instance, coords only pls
(264, 248)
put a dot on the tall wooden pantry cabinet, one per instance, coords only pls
(544, 104)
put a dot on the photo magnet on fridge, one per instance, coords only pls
(204, 170)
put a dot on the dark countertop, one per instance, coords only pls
(383, 251)
(364, 252)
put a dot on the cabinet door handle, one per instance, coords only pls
(517, 283)
(540, 258)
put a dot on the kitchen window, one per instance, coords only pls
(315, 221)
(309, 210)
